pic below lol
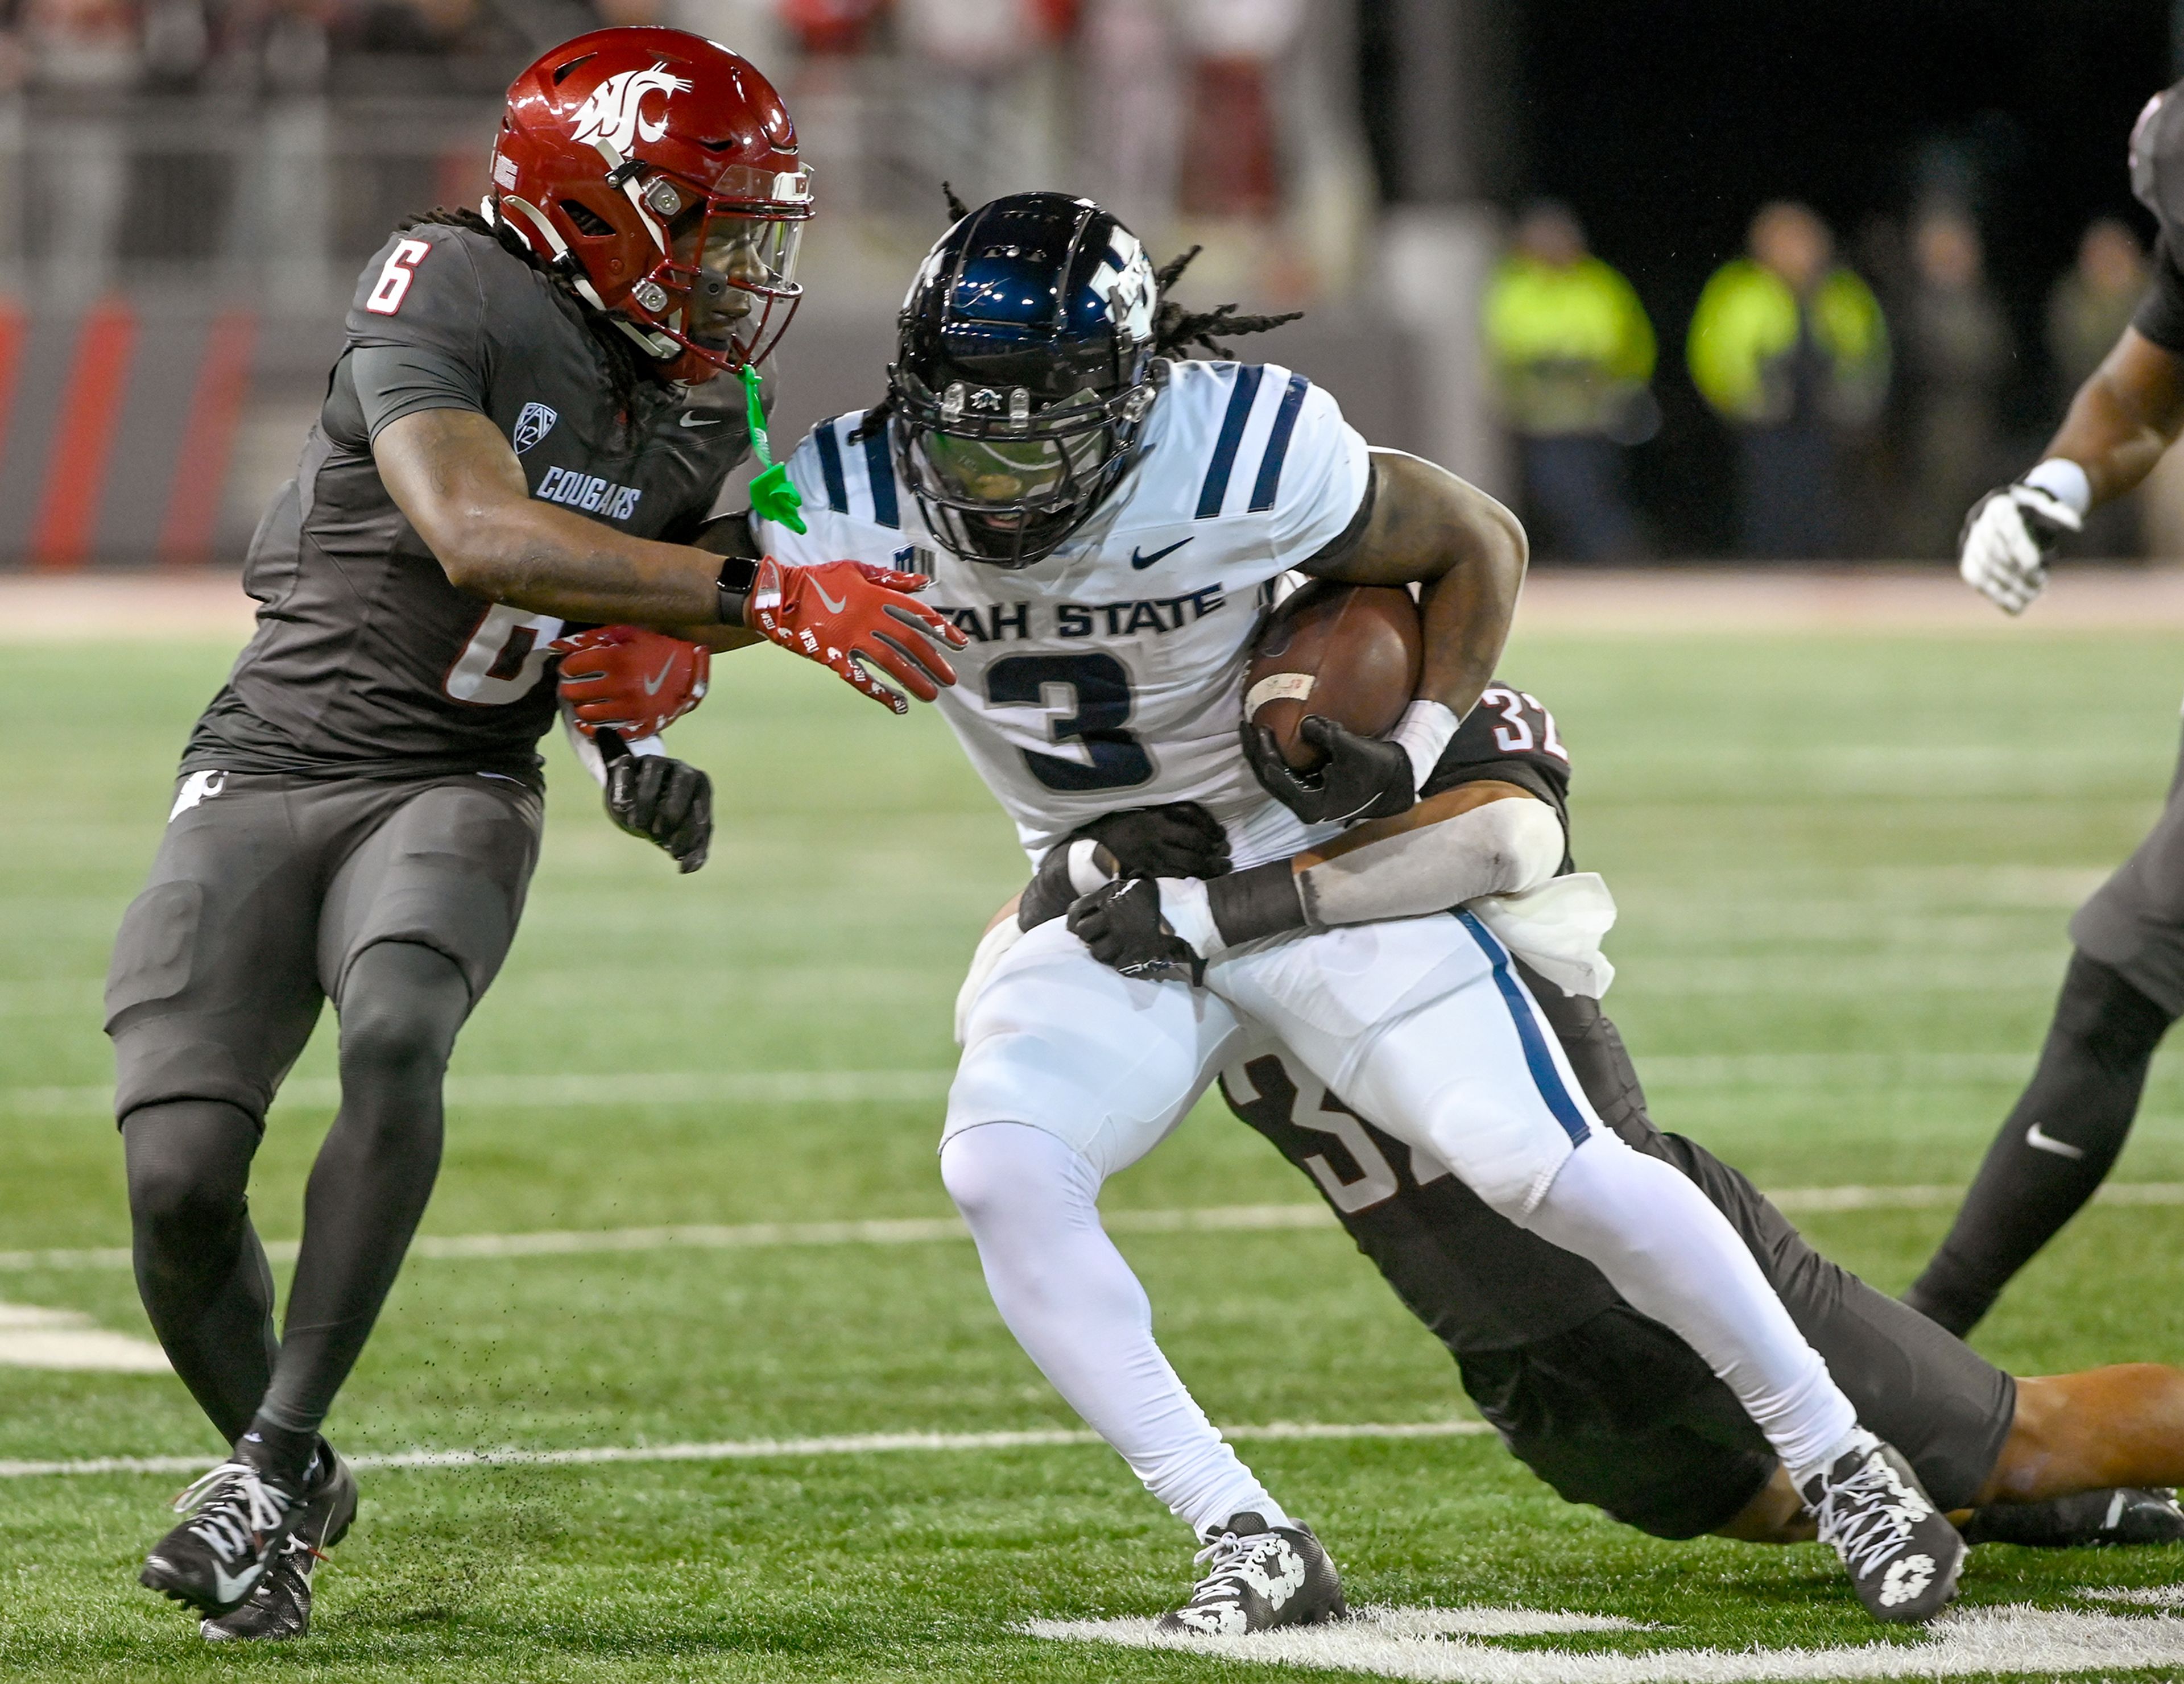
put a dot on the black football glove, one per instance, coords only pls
(1361, 777)
(666, 801)
(1181, 839)
(1122, 924)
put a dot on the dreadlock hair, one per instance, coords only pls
(629, 370)
(1175, 330)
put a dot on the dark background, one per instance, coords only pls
(1665, 126)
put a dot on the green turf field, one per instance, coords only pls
(1844, 864)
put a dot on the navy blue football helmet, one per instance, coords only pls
(1023, 373)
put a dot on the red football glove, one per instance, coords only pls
(842, 613)
(625, 678)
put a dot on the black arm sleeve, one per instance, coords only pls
(2160, 314)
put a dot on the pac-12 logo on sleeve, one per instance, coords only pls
(533, 424)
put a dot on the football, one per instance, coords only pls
(1349, 653)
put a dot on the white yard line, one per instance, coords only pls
(32, 1336)
(925, 1230)
(1456, 1646)
(731, 1088)
(579, 1092)
(756, 1449)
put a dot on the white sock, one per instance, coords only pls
(1858, 1440)
(1079, 1312)
(1664, 1246)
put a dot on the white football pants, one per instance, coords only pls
(1422, 1025)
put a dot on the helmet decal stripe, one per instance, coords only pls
(1215, 491)
(1269, 482)
(879, 469)
(830, 466)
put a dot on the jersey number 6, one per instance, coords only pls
(1099, 694)
(401, 268)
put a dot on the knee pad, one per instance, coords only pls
(998, 1171)
(402, 1007)
(188, 1162)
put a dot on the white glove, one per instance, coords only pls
(2011, 533)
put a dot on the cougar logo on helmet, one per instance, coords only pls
(614, 115)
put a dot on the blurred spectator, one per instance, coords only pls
(2091, 304)
(988, 90)
(2087, 312)
(1956, 352)
(1572, 352)
(1131, 106)
(1791, 350)
(1231, 135)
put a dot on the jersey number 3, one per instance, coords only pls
(401, 268)
(1096, 692)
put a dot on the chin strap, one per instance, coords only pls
(772, 497)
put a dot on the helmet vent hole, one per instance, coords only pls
(562, 75)
(587, 221)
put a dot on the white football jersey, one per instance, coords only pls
(1110, 675)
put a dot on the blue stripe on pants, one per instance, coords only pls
(1545, 1076)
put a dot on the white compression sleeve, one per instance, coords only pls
(1664, 1246)
(1501, 848)
(1079, 1314)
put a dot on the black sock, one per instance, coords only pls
(200, 1270)
(2082, 1101)
(401, 1006)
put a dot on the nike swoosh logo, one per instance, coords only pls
(2041, 1140)
(832, 606)
(693, 419)
(652, 684)
(1142, 562)
(235, 1589)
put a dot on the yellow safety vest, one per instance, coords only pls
(1569, 346)
(1744, 335)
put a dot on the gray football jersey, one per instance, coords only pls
(367, 661)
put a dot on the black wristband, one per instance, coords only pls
(738, 573)
(1263, 900)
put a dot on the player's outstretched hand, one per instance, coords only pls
(849, 615)
(1122, 926)
(2008, 537)
(627, 679)
(1180, 839)
(667, 801)
(1361, 777)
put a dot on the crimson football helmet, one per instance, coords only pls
(658, 171)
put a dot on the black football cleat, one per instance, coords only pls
(1257, 1577)
(239, 1519)
(2122, 1514)
(1902, 1554)
(281, 1606)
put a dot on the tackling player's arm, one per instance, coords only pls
(456, 476)
(1482, 838)
(1419, 524)
(1494, 821)
(457, 480)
